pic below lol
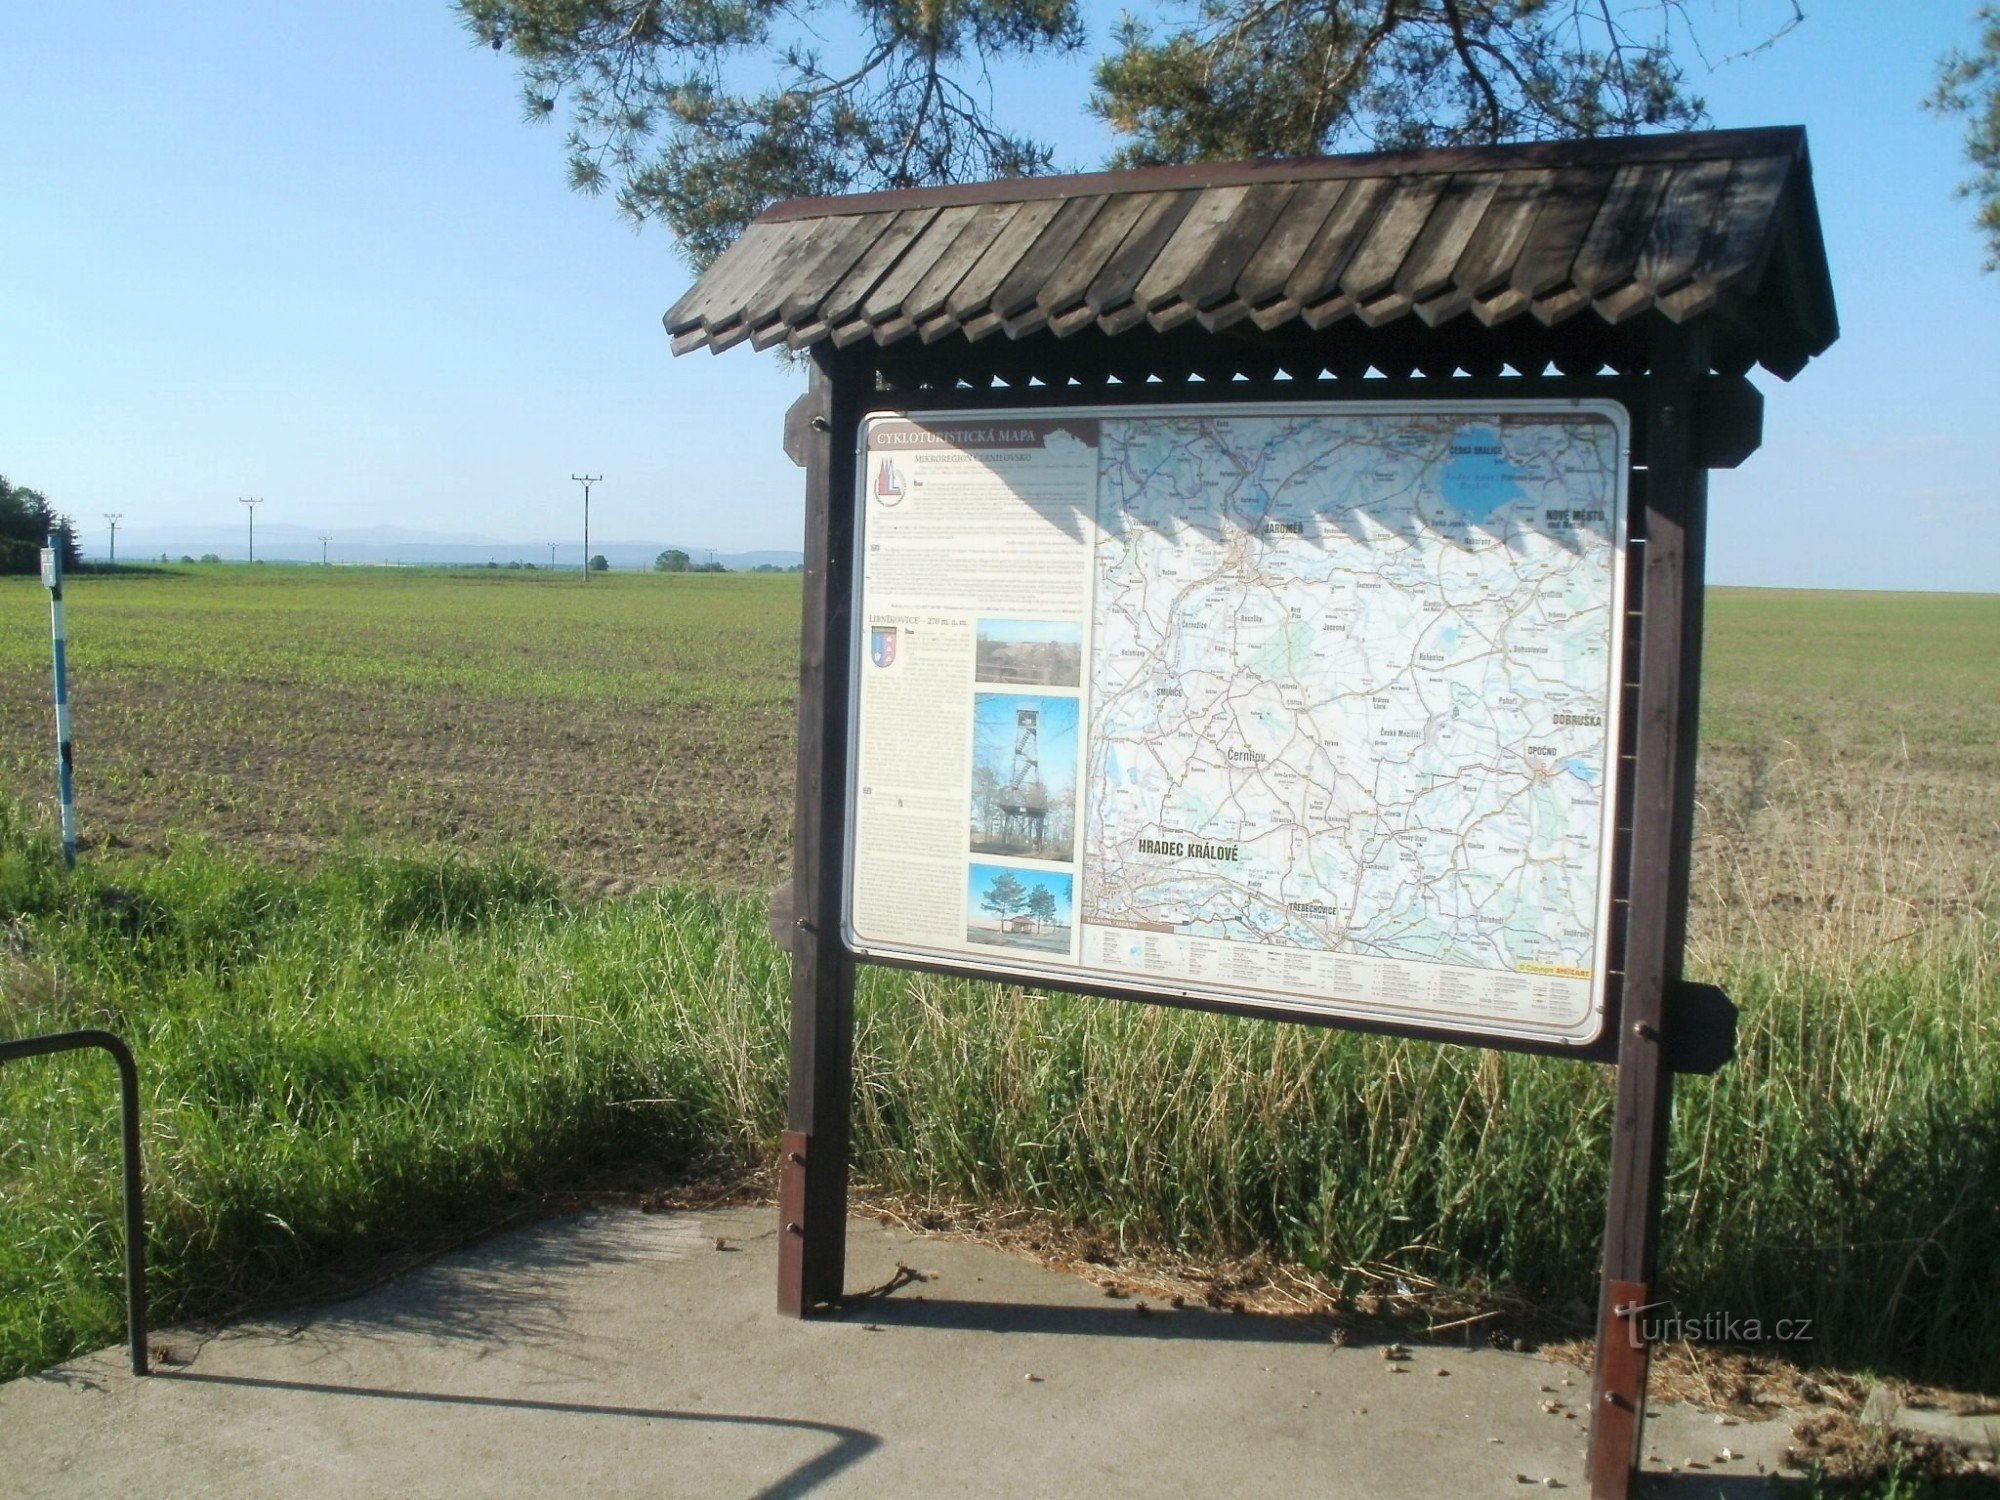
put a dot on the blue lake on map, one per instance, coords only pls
(1478, 479)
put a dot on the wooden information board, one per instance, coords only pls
(1300, 712)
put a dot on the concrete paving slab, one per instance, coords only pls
(623, 1353)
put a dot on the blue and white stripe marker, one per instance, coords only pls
(65, 785)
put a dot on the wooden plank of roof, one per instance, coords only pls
(1008, 246)
(927, 298)
(1503, 232)
(847, 241)
(736, 270)
(732, 303)
(1373, 267)
(851, 331)
(894, 330)
(845, 300)
(1427, 267)
(1214, 279)
(1319, 269)
(1112, 288)
(728, 337)
(1224, 314)
(1272, 315)
(1064, 323)
(1561, 220)
(1182, 255)
(1488, 259)
(1031, 319)
(1021, 287)
(1667, 259)
(1743, 229)
(806, 333)
(1263, 279)
(744, 303)
(887, 299)
(799, 262)
(980, 325)
(1062, 294)
(1612, 247)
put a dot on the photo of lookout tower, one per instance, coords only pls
(1024, 776)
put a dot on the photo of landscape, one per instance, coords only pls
(1031, 653)
(1016, 908)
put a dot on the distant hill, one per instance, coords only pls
(393, 544)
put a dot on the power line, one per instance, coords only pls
(587, 480)
(252, 504)
(114, 517)
(322, 540)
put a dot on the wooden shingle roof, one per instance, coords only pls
(1716, 223)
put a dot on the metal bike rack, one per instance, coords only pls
(135, 1218)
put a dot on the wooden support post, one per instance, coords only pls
(812, 1244)
(1675, 493)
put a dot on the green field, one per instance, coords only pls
(421, 895)
(630, 730)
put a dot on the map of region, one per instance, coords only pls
(1351, 684)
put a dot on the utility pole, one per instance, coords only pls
(586, 480)
(552, 555)
(114, 517)
(252, 504)
(322, 549)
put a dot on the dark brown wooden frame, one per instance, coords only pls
(1683, 421)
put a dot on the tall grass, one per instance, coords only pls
(368, 1059)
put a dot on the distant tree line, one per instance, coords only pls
(27, 521)
(673, 560)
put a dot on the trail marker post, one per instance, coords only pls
(52, 577)
(1295, 400)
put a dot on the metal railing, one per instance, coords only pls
(135, 1218)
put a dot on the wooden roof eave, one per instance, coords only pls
(1554, 250)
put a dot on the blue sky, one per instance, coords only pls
(311, 252)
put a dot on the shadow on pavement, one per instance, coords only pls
(850, 1444)
(480, 1295)
(1708, 1487)
(1117, 1320)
